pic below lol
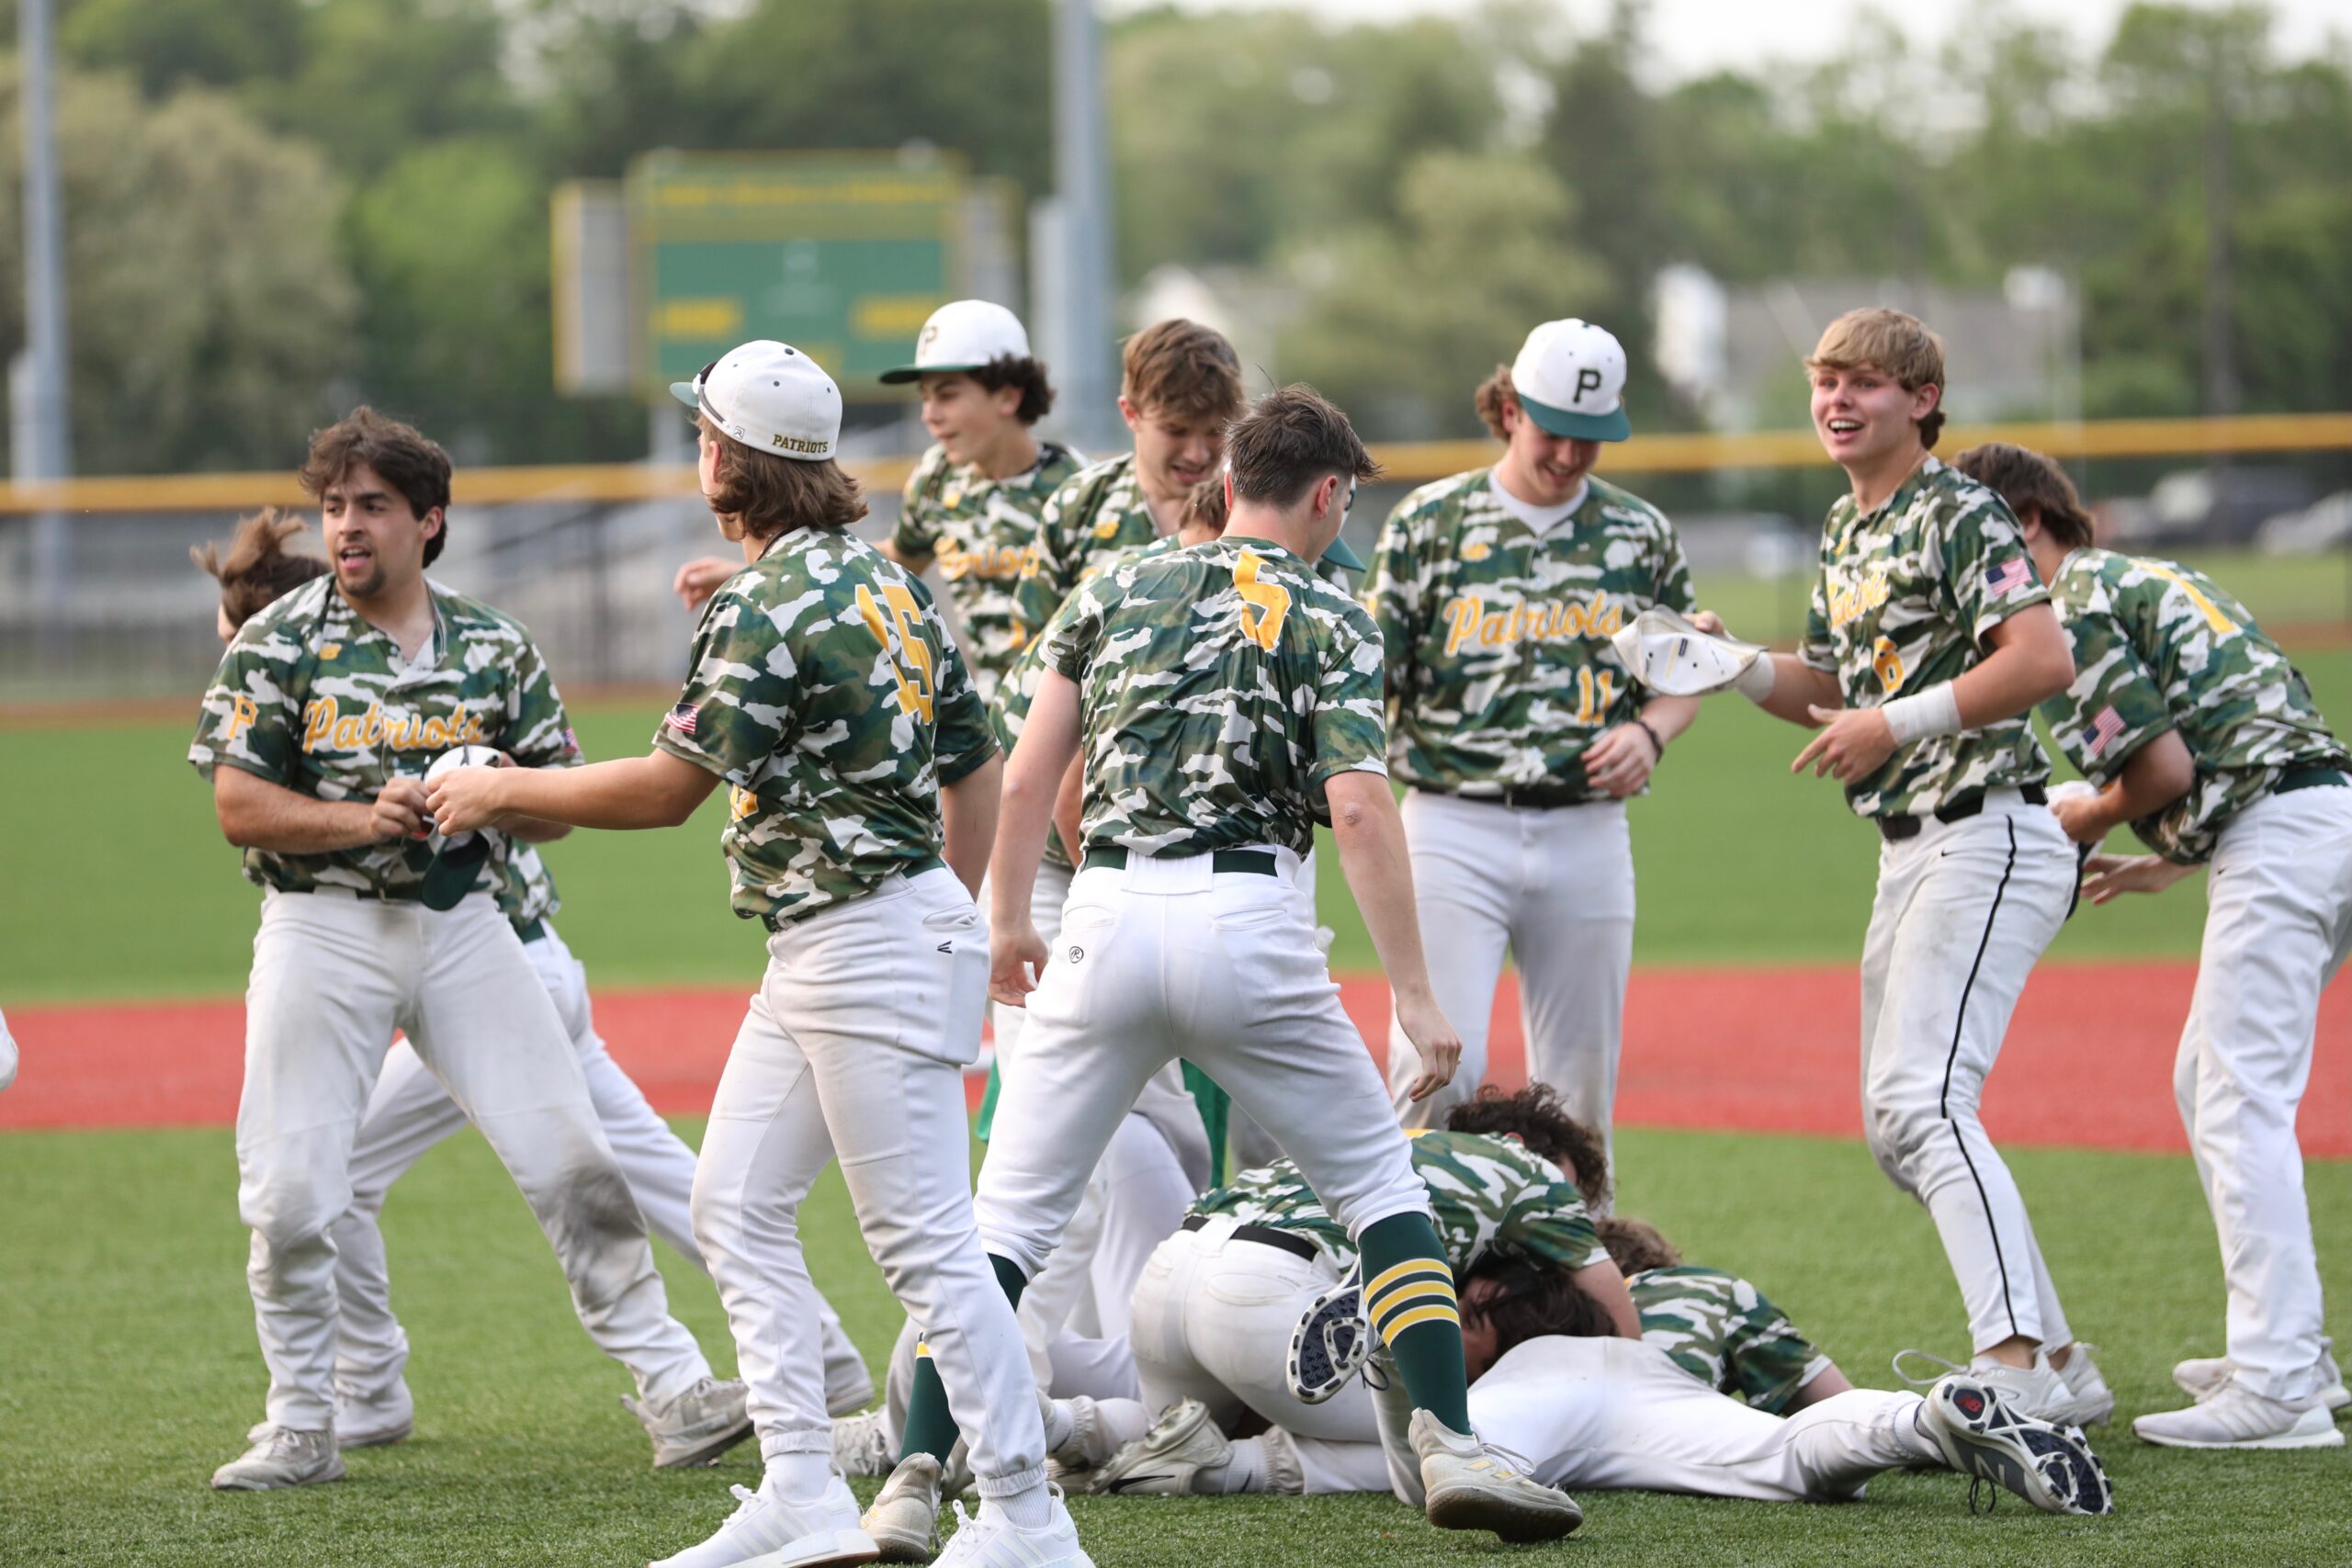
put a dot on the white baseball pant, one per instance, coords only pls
(2278, 928)
(854, 1049)
(333, 975)
(1963, 911)
(1162, 959)
(1555, 888)
(409, 1112)
(1617, 1415)
(8, 1054)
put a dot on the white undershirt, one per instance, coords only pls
(1541, 519)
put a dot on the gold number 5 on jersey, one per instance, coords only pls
(1263, 604)
(910, 663)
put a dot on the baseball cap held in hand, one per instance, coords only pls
(964, 335)
(1570, 378)
(771, 397)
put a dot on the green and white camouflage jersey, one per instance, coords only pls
(1098, 514)
(1725, 1333)
(1902, 603)
(982, 532)
(526, 888)
(312, 697)
(2158, 646)
(826, 692)
(1486, 1195)
(1501, 671)
(1220, 687)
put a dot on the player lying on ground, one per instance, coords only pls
(314, 736)
(826, 692)
(1228, 698)
(2198, 733)
(1928, 641)
(409, 1113)
(1516, 724)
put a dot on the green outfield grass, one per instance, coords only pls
(132, 1371)
(122, 886)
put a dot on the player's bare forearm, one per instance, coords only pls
(256, 814)
(1670, 716)
(1069, 804)
(2158, 773)
(2031, 660)
(967, 811)
(1604, 1284)
(1822, 1385)
(1032, 779)
(534, 830)
(1798, 688)
(1370, 836)
(657, 790)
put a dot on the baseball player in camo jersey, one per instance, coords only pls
(1227, 699)
(826, 692)
(1497, 592)
(2197, 732)
(409, 1112)
(1926, 643)
(315, 732)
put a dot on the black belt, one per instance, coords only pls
(1251, 863)
(1895, 829)
(2313, 776)
(1264, 1236)
(1531, 797)
(532, 930)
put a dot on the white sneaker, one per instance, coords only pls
(1471, 1485)
(696, 1427)
(2039, 1391)
(989, 1540)
(371, 1423)
(862, 1443)
(1981, 1437)
(2204, 1378)
(280, 1457)
(2237, 1418)
(775, 1532)
(1162, 1462)
(2093, 1401)
(904, 1520)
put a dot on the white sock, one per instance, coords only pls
(799, 1476)
(1030, 1510)
(1060, 1424)
(1244, 1472)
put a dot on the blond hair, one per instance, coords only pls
(1893, 344)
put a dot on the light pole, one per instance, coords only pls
(46, 448)
(1083, 184)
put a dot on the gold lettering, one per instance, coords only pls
(1461, 623)
(242, 714)
(347, 732)
(317, 722)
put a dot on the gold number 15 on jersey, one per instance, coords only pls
(911, 665)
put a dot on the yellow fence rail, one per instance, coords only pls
(1407, 462)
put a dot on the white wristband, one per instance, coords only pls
(1935, 711)
(1754, 682)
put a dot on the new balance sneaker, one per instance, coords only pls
(780, 1533)
(1163, 1461)
(904, 1520)
(1331, 1340)
(2237, 1418)
(2203, 1378)
(696, 1427)
(989, 1540)
(2039, 1391)
(280, 1457)
(1982, 1436)
(388, 1417)
(2093, 1401)
(862, 1444)
(1471, 1485)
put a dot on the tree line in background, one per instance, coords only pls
(277, 207)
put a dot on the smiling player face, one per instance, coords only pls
(1173, 453)
(375, 542)
(1864, 417)
(1544, 468)
(971, 423)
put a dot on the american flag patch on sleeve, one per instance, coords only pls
(2102, 731)
(681, 718)
(2008, 577)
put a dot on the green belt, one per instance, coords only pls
(2310, 777)
(912, 868)
(532, 930)
(1251, 863)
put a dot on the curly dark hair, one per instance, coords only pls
(1531, 1302)
(257, 567)
(1636, 1245)
(1019, 370)
(402, 456)
(1536, 1118)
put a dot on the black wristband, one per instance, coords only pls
(1654, 742)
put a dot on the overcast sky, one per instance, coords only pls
(1694, 37)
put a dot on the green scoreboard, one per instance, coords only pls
(840, 254)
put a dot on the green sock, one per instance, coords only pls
(930, 1426)
(1408, 1296)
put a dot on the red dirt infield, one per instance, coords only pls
(2088, 1060)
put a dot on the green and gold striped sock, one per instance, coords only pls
(1408, 1296)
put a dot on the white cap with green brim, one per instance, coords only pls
(963, 334)
(771, 397)
(1570, 378)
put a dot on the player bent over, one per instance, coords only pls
(1226, 697)
(1926, 643)
(324, 713)
(409, 1113)
(1496, 593)
(827, 695)
(2198, 733)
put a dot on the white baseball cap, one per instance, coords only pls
(1570, 378)
(771, 397)
(964, 335)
